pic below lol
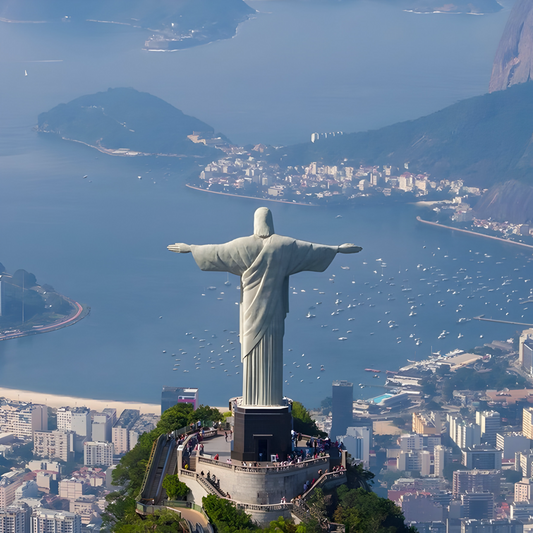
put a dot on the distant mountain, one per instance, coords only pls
(513, 62)
(483, 140)
(453, 6)
(126, 118)
(184, 22)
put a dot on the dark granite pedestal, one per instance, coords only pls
(261, 432)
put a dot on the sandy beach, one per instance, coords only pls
(55, 400)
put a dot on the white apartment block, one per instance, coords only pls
(56, 444)
(77, 419)
(98, 453)
(49, 521)
(22, 419)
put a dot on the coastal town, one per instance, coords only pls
(449, 441)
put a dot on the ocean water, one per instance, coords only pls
(295, 68)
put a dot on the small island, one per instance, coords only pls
(27, 308)
(126, 122)
(174, 24)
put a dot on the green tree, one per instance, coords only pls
(176, 417)
(361, 510)
(303, 423)
(359, 477)
(205, 413)
(176, 489)
(163, 521)
(226, 517)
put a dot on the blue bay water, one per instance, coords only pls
(102, 241)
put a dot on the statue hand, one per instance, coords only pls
(349, 248)
(179, 247)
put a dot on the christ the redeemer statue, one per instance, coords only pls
(264, 261)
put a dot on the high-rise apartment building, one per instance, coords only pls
(357, 442)
(101, 427)
(22, 419)
(523, 463)
(527, 422)
(525, 351)
(476, 481)
(510, 443)
(98, 453)
(342, 408)
(55, 444)
(121, 430)
(523, 490)
(77, 419)
(440, 458)
(49, 521)
(15, 519)
(490, 424)
(9, 483)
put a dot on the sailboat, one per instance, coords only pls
(25, 73)
(227, 282)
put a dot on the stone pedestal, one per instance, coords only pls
(261, 432)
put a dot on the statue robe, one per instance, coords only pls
(264, 266)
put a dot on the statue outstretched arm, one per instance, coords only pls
(180, 248)
(348, 248)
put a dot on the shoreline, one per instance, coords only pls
(474, 233)
(57, 400)
(249, 197)
(80, 312)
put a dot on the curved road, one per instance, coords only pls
(80, 313)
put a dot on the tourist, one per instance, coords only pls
(216, 457)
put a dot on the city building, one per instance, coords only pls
(428, 527)
(357, 442)
(415, 461)
(425, 424)
(524, 463)
(98, 453)
(22, 419)
(121, 430)
(421, 508)
(101, 427)
(525, 352)
(527, 425)
(476, 481)
(478, 505)
(467, 434)
(71, 489)
(144, 424)
(491, 526)
(77, 419)
(86, 507)
(9, 483)
(523, 490)
(521, 510)
(490, 424)
(171, 396)
(342, 408)
(49, 521)
(411, 442)
(482, 457)
(440, 459)
(510, 443)
(55, 444)
(15, 519)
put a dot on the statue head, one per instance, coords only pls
(263, 223)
